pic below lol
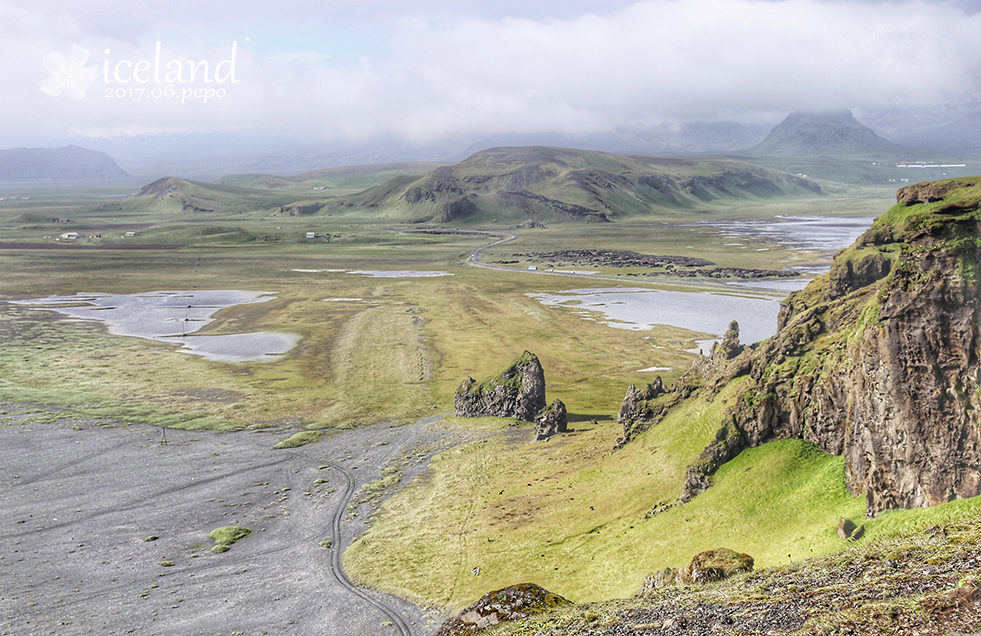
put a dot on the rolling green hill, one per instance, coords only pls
(331, 181)
(171, 195)
(556, 184)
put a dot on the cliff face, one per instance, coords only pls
(877, 360)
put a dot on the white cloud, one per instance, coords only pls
(468, 68)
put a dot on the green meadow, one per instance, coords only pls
(566, 514)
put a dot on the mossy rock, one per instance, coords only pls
(300, 439)
(228, 535)
(716, 565)
(511, 603)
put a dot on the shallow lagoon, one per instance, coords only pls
(822, 234)
(641, 309)
(174, 316)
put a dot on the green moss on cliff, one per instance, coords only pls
(509, 378)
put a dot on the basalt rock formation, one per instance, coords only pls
(879, 360)
(518, 392)
(507, 604)
(640, 410)
(551, 421)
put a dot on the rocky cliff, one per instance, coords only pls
(518, 392)
(878, 360)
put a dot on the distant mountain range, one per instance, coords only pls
(507, 185)
(58, 164)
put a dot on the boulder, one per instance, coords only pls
(518, 392)
(550, 421)
(716, 565)
(507, 604)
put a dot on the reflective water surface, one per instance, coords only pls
(174, 316)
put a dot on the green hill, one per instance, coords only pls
(556, 184)
(171, 195)
(331, 181)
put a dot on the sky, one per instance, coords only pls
(361, 71)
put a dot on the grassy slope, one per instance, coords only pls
(334, 181)
(777, 502)
(571, 517)
(923, 581)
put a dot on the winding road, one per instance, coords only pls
(336, 568)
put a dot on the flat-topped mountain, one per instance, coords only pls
(836, 134)
(58, 164)
(557, 184)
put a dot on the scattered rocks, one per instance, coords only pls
(716, 565)
(518, 392)
(550, 421)
(507, 604)
(530, 224)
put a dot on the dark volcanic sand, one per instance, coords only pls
(79, 498)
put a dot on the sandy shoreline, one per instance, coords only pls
(81, 497)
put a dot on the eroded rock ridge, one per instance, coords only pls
(878, 360)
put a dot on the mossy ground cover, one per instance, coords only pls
(919, 582)
(571, 517)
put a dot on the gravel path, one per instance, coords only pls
(94, 514)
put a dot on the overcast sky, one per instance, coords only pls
(359, 70)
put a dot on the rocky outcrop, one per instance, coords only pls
(715, 565)
(641, 409)
(879, 360)
(458, 209)
(530, 224)
(729, 348)
(550, 421)
(301, 209)
(929, 192)
(508, 604)
(895, 387)
(518, 392)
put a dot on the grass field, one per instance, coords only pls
(565, 514)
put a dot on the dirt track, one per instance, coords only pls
(81, 499)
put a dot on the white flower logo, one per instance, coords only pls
(70, 79)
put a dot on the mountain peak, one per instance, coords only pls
(836, 134)
(66, 163)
